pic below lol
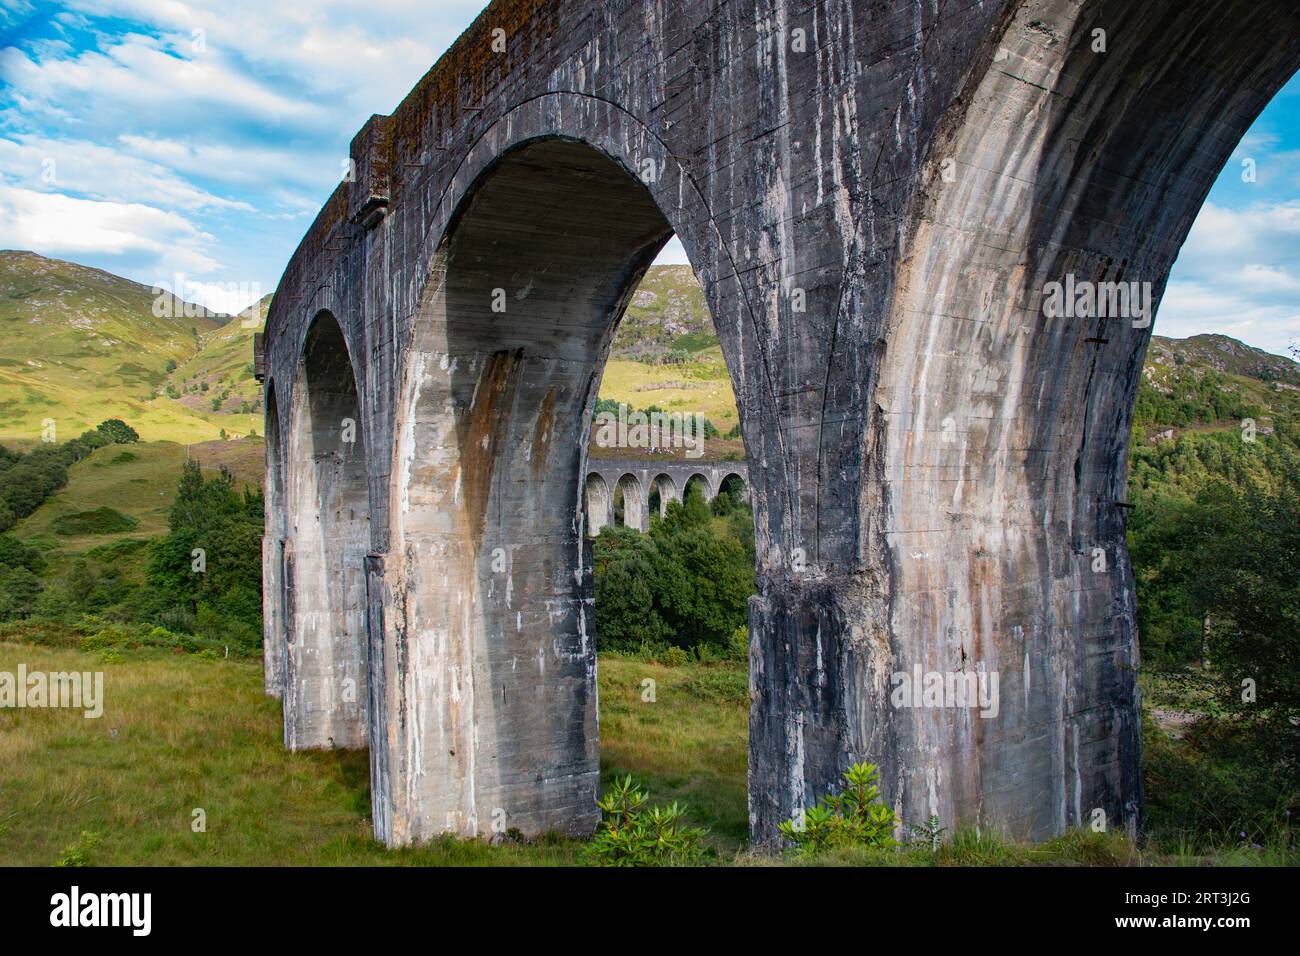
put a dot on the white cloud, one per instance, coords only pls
(72, 228)
(245, 166)
(1238, 274)
(99, 172)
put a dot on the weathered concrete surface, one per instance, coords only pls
(641, 479)
(874, 195)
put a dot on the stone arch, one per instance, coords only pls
(701, 481)
(536, 265)
(328, 527)
(273, 545)
(662, 490)
(610, 129)
(733, 481)
(599, 504)
(632, 495)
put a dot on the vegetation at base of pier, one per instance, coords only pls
(857, 816)
(633, 832)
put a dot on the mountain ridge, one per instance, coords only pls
(79, 344)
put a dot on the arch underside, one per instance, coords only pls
(273, 543)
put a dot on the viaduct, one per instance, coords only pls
(641, 481)
(877, 196)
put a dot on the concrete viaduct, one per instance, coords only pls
(877, 196)
(640, 481)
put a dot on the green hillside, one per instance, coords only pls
(119, 498)
(666, 353)
(218, 378)
(79, 345)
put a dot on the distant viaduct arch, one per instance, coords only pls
(666, 479)
(875, 197)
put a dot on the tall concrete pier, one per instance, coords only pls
(884, 201)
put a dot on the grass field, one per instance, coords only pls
(183, 732)
(701, 385)
(180, 733)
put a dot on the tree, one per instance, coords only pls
(687, 583)
(19, 589)
(118, 431)
(208, 565)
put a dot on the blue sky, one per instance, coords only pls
(200, 137)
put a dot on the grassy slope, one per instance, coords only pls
(669, 312)
(142, 487)
(80, 345)
(1271, 381)
(224, 363)
(181, 732)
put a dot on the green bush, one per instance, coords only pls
(102, 520)
(118, 431)
(675, 657)
(686, 583)
(20, 591)
(857, 817)
(632, 833)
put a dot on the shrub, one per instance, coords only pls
(178, 620)
(19, 591)
(115, 635)
(118, 431)
(631, 833)
(102, 520)
(738, 644)
(857, 817)
(675, 657)
(78, 854)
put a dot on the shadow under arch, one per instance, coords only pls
(734, 484)
(537, 266)
(328, 537)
